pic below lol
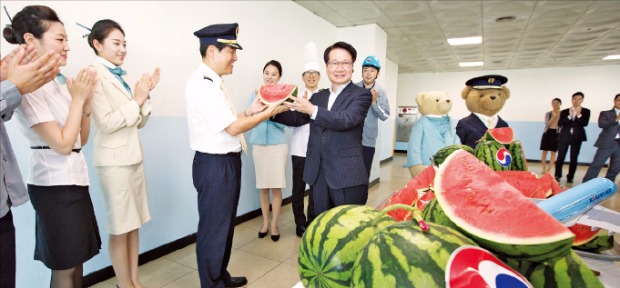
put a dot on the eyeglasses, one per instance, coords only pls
(312, 73)
(345, 64)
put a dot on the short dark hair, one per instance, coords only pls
(557, 99)
(578, 93)
(276, 64)
(33, 19)
(341, 45)
(205, 46)
(101, 30)
(617, 95)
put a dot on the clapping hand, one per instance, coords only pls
(374, 95)
(154, 79)
(143, 86)
(83, 86)
(28, 72)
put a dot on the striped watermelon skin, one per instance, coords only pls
(485, 151)
(332, 242)
(402, 255)
(519, 163)
(444, 152)
(433, 213)
(601, 242)
(559, 272)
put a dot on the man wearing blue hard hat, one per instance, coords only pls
(216, 134)
(379, 108)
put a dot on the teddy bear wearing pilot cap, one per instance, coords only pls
(484, 97)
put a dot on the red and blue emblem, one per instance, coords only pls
(474, 267)
(503, 157)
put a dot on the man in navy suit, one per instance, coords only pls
(334, 162)
(608, 144)
(490, 98)
(572, 120)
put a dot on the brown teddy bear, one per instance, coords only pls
(484, 96)
(433, 131)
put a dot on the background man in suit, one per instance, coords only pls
(334, 162)
(608, 144)
(571, 123)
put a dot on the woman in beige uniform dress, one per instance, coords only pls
(119, 112)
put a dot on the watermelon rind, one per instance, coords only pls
(332, 242)
(600, 242)
(444, 152)
(433, 213)
(401, 255)
(500, 205)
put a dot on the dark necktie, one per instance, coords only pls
(118, 72)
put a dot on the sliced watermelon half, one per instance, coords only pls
(418, 187)
(528, 183)
(502, 135)
(495, 214)
(274, 93)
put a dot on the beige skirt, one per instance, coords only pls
(126, 199)
(270, 165)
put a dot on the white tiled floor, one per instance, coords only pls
(274, 264)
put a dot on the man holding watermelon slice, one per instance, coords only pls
(216, 134)
(379, 109)
(334, 166)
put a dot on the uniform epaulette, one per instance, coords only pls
(207, 77)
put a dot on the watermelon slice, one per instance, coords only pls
(495, 214)
(502, 135)
(410, 195)
(528, 183)
(274, 93)
(583, 233)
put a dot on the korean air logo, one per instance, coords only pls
(474, 267)
(503, 157)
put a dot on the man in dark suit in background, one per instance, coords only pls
(608, 144)
(334, 162)
(571, 123)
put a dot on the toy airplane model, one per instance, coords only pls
(580, 205)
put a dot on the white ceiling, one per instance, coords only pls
(544, 33)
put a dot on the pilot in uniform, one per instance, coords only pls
(216, 134)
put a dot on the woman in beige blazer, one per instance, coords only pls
(119, 112)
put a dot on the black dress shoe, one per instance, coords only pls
(275, 238)
(235, 281)
(262, 234)
(300, 230)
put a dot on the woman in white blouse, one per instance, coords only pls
(56, 121)
(119, 112)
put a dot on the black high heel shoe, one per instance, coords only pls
(275, 238)
(263, 234)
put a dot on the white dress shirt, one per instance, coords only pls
(50, 103)
(299, 140)
(489, 121)
(208, 114)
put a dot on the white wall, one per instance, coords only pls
(531, 90)
(387, 128)
(160, 33)
(531, 93)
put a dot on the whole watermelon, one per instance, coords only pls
(444, 152)
(433, 213)
(558, 272)
(494, 154)
(401, 255)
(331, 243)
